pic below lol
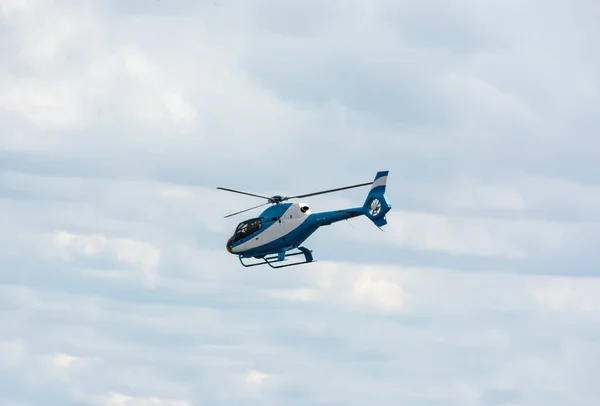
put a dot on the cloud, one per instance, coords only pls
(128, 251)
(119, 399)
(476, 236)
(560, 293)
(379, 292)
(443, 312)
(349, 286)
(119, 119)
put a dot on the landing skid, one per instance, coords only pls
(271, 259)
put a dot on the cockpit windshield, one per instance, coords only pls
(244, 229)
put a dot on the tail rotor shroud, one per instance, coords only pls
(375, 207)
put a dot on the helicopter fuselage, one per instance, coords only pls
(282, 227)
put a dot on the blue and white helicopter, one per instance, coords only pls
(284, 227)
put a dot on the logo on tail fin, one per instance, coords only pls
(375, 207)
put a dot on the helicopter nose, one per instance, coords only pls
(229, 242)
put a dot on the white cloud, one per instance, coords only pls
(559, 197)
(564, 293)
(143, 255)
(179, 193)
(45, 104)
(459, 312)
(485, 100)
(471, 194)
(119, 399)
(256, 378)
(488, 237)
(378, 292)
(296, 294)
(348, 285)
(119, 119)
(11, 353)
(63, 360)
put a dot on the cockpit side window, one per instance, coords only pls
(247, 228)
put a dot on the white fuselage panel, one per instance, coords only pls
(290, 220)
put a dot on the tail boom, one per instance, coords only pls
(326, 218)
(375, 206)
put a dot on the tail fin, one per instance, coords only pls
(376, 205)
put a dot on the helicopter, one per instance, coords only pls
(279, 231)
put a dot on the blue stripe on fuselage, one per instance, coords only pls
(297, 236)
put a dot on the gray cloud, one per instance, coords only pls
(119, 119)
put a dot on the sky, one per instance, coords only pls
(118, 120)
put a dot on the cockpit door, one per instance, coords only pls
(250, 232)
(254, 229)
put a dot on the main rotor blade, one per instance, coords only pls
(244, 193)
(328, 191)
(251, 208)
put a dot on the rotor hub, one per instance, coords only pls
(276, 199)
